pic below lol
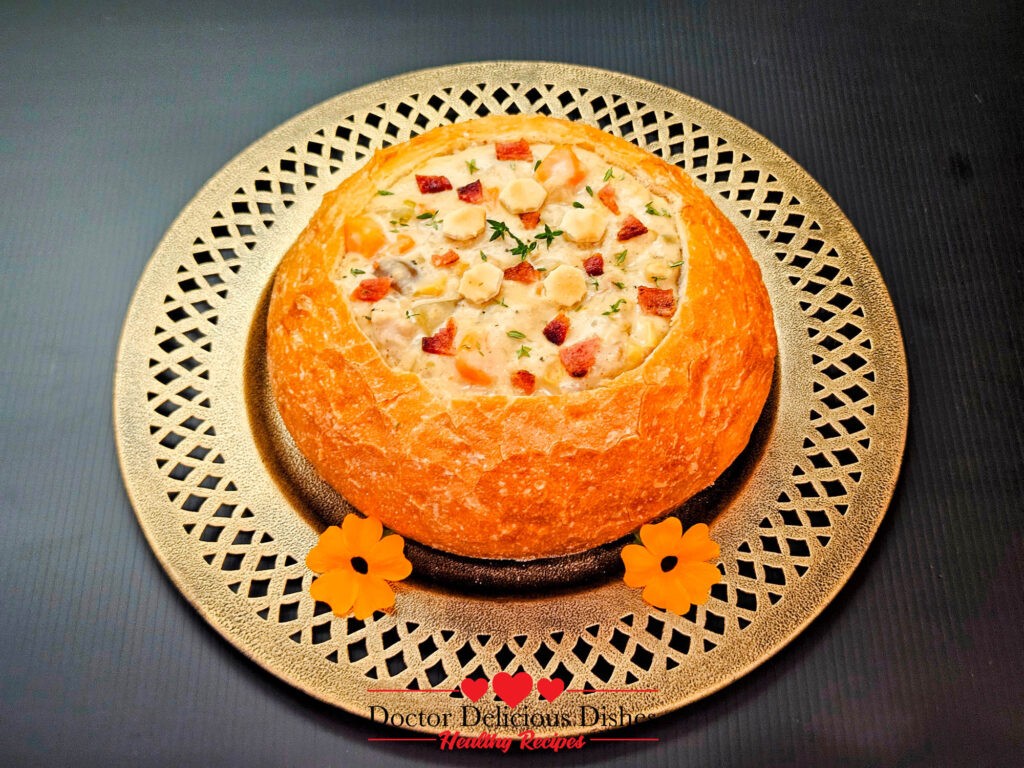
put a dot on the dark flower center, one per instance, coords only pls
(359, 565)
(668, 563)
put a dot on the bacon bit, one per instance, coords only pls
(372, 289)
(656, 301)
(557, 329)
(524, 381)
(523, 272)
(580, 358)
(513, 150)
(631, 227)
(430, 184)
(472, 192)
(606, 195)
(594, 265)
(442, 342)
(530, 220)
(444, 259)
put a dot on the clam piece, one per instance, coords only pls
(402, 273)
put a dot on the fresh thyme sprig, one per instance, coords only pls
(614, 309)
(548, 235)
(500, 229)
(430, 219)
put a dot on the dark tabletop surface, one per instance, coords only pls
(908, 114)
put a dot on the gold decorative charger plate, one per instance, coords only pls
(231, 509)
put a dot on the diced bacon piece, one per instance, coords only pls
(513, 150)
(471, 193)
(631, 227)
(444, 259)
(431, 184)
(580, 358)
(594, 265)
(556, 330)
(656, 301)
(442, 342)
(524, 381)
(372, 289)
(523, 272)
(606, 195)
(530, 220)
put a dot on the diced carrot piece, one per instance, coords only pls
(363, 235)
(606, 195)
(404, 243)
(471, 373)
(561, 168)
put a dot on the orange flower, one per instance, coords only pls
(671, 565)
(357, 564)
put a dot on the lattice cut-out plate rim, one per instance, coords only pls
(229, 534)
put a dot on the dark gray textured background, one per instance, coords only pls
(909, 114)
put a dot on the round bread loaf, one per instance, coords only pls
(554, 444)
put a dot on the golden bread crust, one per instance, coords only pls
(501, 476)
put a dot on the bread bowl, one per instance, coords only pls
(519, 337)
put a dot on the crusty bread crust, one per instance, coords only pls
(499, 476)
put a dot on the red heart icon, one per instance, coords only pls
(512, 689)
(474, 689)
(551, 689)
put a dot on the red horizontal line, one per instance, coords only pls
(654, 739)
(567, 690)
(383, 739)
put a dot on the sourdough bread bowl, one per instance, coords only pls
(519, 337)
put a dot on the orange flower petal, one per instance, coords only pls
(330, 551)
(387, 561)
(657, 593)
(681, 598)
(666, 592)
(374, 595)
(696, 546)
(697, 579)
(662, 539)
(361, 533)
(337, 589)
(641, 566)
